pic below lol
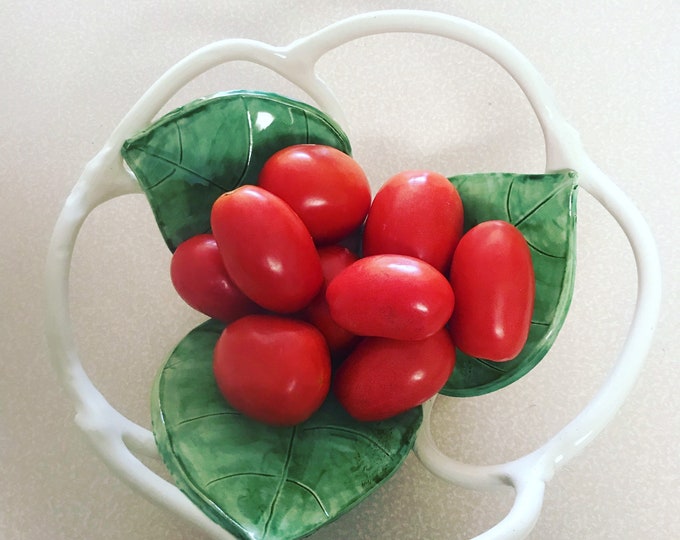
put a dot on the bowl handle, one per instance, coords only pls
(118, 440)
(528, 474)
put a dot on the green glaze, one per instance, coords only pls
(543, 208)
(259, 481)
(192, 155)
(264, 482)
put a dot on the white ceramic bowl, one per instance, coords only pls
(120, 442)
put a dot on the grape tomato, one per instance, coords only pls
(493, 278)
(266, 249)
(417, 213)
(392, 296)
(327, 188)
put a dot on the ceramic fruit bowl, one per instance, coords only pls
(237, 478)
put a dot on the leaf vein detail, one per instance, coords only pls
(249, 138)
(279, 488)
(184, 168)
(543, 252)
(209, 415)
(353, 432)
(299, 484)
(309, 490)
(173, 171)
(491, 365)
(180, 144)
(507, 198)
(235, 475)
(531, 211)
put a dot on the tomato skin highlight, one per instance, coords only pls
(273, 369)
(384, 377)
(493, 277)
(327, 188)
(417, 213)
(392, 296)
(200, 279)
(266, 249)
(334, 259)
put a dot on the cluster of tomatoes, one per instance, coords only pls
(306, 313)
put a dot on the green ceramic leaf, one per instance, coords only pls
(192, 155)
(259, 481)
(543, 207)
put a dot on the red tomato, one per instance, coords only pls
(334, 259)
(199, 277)
(326, 188)
(384, 377)
(266, 249)
(273, 369)
(416, 213)
(393, 296)
(493, 277)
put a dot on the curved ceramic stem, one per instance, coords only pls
(114, 437)
(117, 439)
(620, 380)
(529, 473)
(106, 170)
(504, 53)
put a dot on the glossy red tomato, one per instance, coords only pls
(493, 277)
(199, 277)
(384, 377)
(324, 186)
(416, 213)
(393, 296)
(273, 369)
(334, 259)
(266, 249)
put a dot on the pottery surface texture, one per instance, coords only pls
(126, 446)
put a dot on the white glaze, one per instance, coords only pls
(118, 440)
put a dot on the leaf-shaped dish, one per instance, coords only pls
(192, 155)
(259, 481)
(118, 440)
(543, 208)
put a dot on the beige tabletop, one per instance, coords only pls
(71, 70)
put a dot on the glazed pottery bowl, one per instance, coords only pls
(122, 443)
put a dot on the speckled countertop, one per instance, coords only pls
(72, 71)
